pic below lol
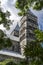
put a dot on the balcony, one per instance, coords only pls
(22, 37)
(24, 25)
(32, 18)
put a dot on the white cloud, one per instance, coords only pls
(3, 2)
(9, 5)
(1, 27)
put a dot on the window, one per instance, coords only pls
(12, 48)
(31, 36)
(22, 31)
(16, 33)
(32, 21)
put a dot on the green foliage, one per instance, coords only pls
(4, 40)
(34, 54)
(24, 5)
(4, 18)
(36, 62)
(1, 34)
(34, 50)
(39, 35)
(22, 62)
(11, 63)
(38, 5)
(8, 62)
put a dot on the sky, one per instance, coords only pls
(10, 6)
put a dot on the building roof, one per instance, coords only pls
(17, 27)
(31, 13)
(12, 54)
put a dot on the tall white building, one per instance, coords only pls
(28, 25)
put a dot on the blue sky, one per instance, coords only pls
(39, 14)
(10, 6)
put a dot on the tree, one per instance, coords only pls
(4, 40)
(24, 5)
(39, 35)
(4, 19)
(34, 50)
(8, 62)
(11, 63)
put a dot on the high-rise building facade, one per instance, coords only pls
(28, 25)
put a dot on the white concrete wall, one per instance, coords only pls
(22, 44)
